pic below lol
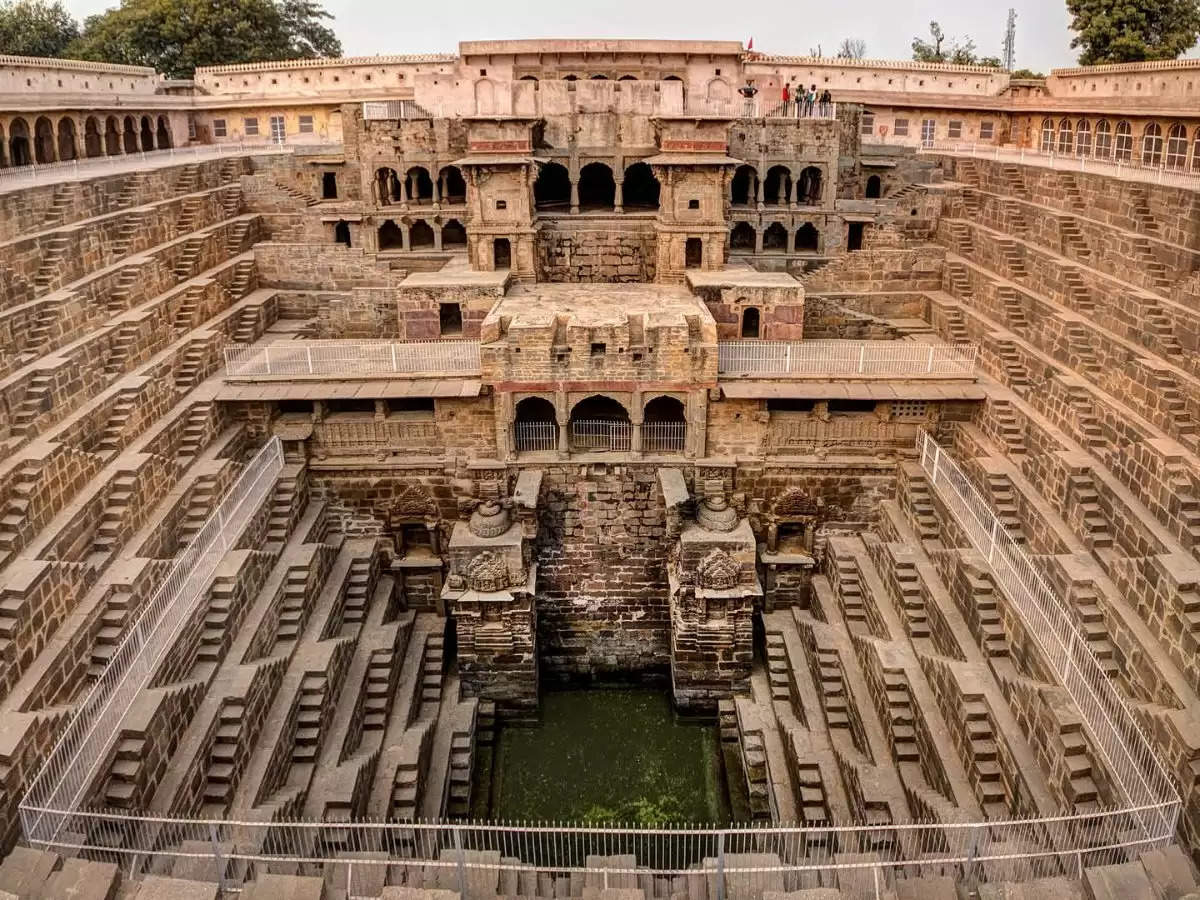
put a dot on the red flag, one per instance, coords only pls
(750, 46)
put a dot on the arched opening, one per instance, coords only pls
(808, 239)
(599, 78)
(43, 140)
(450, 319)
(129, 135)
(552, 189)
(744, 187)
(597, 189)
(672, 78)
(387, 186)
(664, 426)
(809, 189)
(93, 144)
(778, 187)
(599, 423)
(20, 153)
(874, 187)
(112, 136)
(527, 78)
(163, 135)
(147, 133)
(1047, 144)
(1124, 143)
(66, 139)
(1066, 137)
(3, 148)
(1196, 152)
(1083, 138)
(854, 236)
(570, 78)
(742, 236)
(329, 189)
(454, 235)
(627, 78)
(420, 235)
(775, 238)
(750, 322)
(1177, 146)
(341, 233)
(535, 425)
(1152, 145)
(502, 253)
(391, 237)
(452, 186)
(419, 185)
(1103, 139)
(640, 189)
(693, 253)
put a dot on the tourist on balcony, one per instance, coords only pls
(810, 101)
(787, 96)
(748, 90)
(826, 104)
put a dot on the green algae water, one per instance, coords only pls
(610, 755)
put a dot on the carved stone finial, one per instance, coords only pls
(490, 519)
(714, 513)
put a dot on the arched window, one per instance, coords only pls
(147, 134)
(452, 187)
(778, 187)
(420, 185)
(775, 238)
(1177, 146)
(597, 189)
(874, 187)
(664, 426)
(112, 136)
(387, 186)
(93, 143)
(808, 239)
(1083, 138)
(66, 139)
(599, 423)
(1152, 145)
(1047, 145)
(163, 135)
(20, 149)
(535, 425)
(741, 237)
(599, 77)
(1066, 137)
(627, 78)
(743, 188)
(1103, 139)
(527, 78)
(640, 189)
(454, 235)
(43, 140)
(750, 322)
(552, 190)
(129, 135)
(420, 235)
(341, 233)
(1123, 151)
(390, 236)
(809, 190)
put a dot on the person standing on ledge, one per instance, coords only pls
(826, 103)
(748, 90)
(785, 97)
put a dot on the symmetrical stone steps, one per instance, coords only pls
(1073, 240)
(1070, 188)
(310, 706)
(189, 213)
(125, 337)
(113, 622)
(126, 234)
(243, 279)
(296, 194)
(187, 264)
(432, 670)
(1090, 431)
(1096, 531)
(1014, 177)
(358, 592)
(16, 507)
(121, 494)
(961, 235)
(850, 592)
(983, 752)
(1007, 426)
(224, 756)
(1014, 367)
(1080, 348)
(196, 430)
(1014, 311)
(1081, 297)
(119, 296)
(49, 272)
(777, 668)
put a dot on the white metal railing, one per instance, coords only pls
(898, 359)
(64, 779)
(664, 437)
(15, 177)
(352, 358)
(383, 110)
(759, 107)
(535, 436)
(1137, 774)
(600, 434)
(1132, 168)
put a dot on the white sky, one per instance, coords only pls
(777, 26)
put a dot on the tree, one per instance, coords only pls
(36, 28)
(852, 48)
(992, 62)
(1027, 73)
(960, 52)
(176, 36)
(1116, 31)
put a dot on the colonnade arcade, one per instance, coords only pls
(42, 139)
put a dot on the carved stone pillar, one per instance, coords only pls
(574, 196)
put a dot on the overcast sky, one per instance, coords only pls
(777, 26)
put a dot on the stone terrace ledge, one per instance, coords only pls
(846, 360)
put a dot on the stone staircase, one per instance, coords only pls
(923, 515)
(235, 241)
(983, 613)
(192, 365)
(202, 500)
(188, 214)
(777, 668)
(1097, 534)
(1090, 430)
(131, 224)
(971, 205)
(310, 705)
(231, 202)
(195, 430)
(1150, 262)
(188, 181)
(1141, 209)
(1172, 400)
(60, 206)
(38, 335)
(189, 304)
(124, 339)
(1014, 310)
(245, 326)
(121, 785)
(901, 718)
(377, 689)
(189, 258)
(1079, 346)
(244, 279)
(1014, 260)
(832, 686)
(122, 491)
(119, 297)
(1073, 240)
(297, 194)
(35, 401)
(282, 502)
(52, 258)
(849, 592)
(1014, 369)
(1004, 503)
(911, 598)
(959, 278)
(108, 638)
(960, 232)
(1081, 789)
(131, 190)
(1008, 426)
(1091, 622)
(956, 327)
(1186, 503)
(220, 780)
(1014, 180)
(1080, 297)
(986, 773)
(294, 607)
(358, 592)
(1158, 326)
(1014, 217)
(462, 756)
(112, 438)
(431, 676)
(966, 172)
(16, 508)
(1070, 189)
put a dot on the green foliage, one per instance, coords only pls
(36, 28)
(176, 36)
(937, 50)
(994, 62)
(1027, 73)
(1115, 31)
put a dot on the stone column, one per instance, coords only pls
(779, 196)
(791, 240)
(562, 414)
(404, 197)
(758, 240)
(758, 191)
(574, 196)
(620, 198)
(437, 236)
(793, 199)
(438, 185)
(636, 417)
(405, 238)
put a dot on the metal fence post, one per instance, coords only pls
(929, 365)
(721, 865)
(308, 355)
(216, 849)
(462, 862)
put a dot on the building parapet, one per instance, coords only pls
(1154, 65)
(78, 65)
(906, 65)
(329, 61)
(350, 359)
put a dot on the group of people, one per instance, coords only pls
(807, 102)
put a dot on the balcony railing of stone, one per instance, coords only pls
(828, 358)
(352, 359)
(1134, 161)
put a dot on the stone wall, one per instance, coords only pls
(595, 254)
